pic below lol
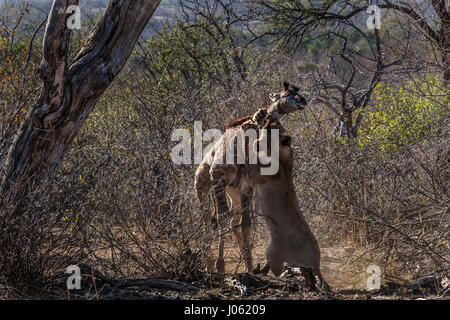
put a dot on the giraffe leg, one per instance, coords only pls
(235, 222)
(235, 225)
(210, 261)
(246, 228)
(241, 222)
(219, 180)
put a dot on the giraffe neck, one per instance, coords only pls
(274, 109)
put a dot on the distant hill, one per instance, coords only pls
(165, 11)
(90, 9)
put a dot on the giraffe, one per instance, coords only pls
(235, 179)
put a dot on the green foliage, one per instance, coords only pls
(404, 114)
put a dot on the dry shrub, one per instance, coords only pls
(38, 240)
(394, 206)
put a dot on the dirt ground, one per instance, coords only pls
(335, 264)
(346, 277)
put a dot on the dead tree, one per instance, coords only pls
(351, 99)
(296, 19)
(70, 90)
(219, 19)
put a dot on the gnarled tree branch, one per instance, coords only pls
(70, 93)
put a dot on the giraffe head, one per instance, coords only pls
(286, 101)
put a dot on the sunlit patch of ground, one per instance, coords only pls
(335, 264)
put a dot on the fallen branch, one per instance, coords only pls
(157, 284)
(139, 282)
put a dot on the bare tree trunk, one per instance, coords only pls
(70, 92)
